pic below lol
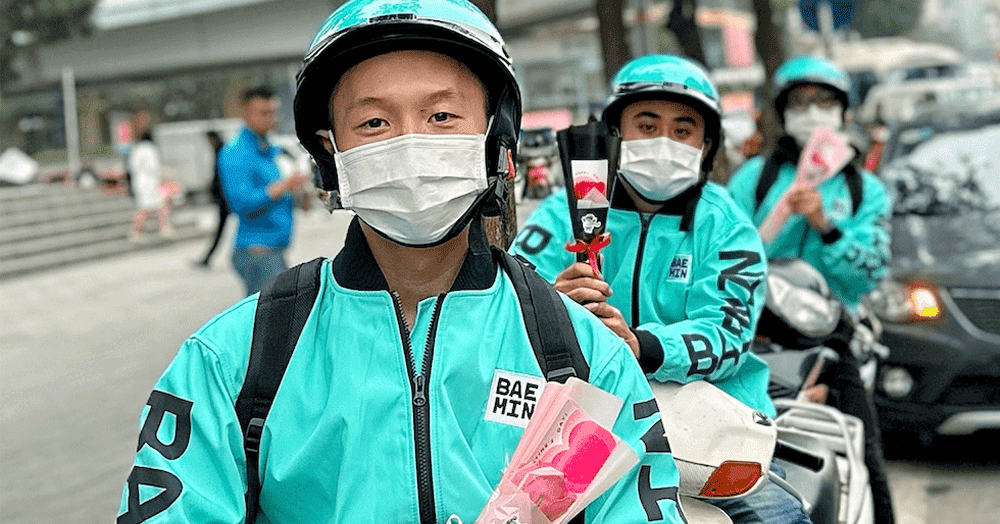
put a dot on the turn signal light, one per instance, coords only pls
(732, 479)
(924, 303)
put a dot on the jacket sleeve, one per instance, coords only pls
(724, 302)
(245, 192)
(858, 256)
(190, 464)
(542, 240)
(742, 186)
(647, 493)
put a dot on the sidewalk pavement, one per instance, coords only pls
(82, 346)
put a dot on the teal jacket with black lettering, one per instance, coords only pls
(341, 444)
(692, 297)
(853, 257)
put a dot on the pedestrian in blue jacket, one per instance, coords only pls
(682, 281)
(399, 403)
(257, 194)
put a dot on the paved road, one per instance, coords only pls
(81, 347)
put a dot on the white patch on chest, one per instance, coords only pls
(513, 397)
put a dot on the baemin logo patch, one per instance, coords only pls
(680, 269)
(513, 397)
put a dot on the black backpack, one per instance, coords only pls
(285, 304)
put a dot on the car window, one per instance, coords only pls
(945, 171)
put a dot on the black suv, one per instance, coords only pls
(942, 306)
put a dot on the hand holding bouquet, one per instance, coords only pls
(826, 153)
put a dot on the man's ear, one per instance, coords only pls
(324, 138)
(706, 149)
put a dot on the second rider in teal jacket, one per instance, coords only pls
(682, 280)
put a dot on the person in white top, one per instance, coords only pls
(144, 165)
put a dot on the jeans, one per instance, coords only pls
(770, 505)
(850, 396)
(257, 265)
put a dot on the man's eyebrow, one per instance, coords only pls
(444, 94)
(688, 119)
(647, 114)
(365, 101)
(374, 101)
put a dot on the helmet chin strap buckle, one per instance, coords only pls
(331, 199)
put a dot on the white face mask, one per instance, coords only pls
(413, 188)
(659, 168)
(800, 124)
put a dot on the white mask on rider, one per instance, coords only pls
(800, 123)
(413, 188)
(659, 168)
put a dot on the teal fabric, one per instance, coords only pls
(853, 264)
(693, 318)
(657, 69)
(246, 167)
(807, 69)
(358, 12)
(338, 445)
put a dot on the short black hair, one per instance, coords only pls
(263, 92)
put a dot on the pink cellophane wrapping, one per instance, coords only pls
(567, 457)
(826, 153)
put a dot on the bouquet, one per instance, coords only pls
(589, 155)
(826, 153)
(566, 458)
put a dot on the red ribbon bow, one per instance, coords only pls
(591, 248)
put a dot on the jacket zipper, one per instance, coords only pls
(645, 220)
(421, 407)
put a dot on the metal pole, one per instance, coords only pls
(70, 120)
(824, 18)
(643, 28)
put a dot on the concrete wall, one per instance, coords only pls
(272, 30)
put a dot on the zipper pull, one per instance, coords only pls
(418, 396)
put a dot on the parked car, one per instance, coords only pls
(942, 305)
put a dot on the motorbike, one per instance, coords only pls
(537, 172)
(723, 449)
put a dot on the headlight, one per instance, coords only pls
(896, 302)
(924, 302)
(805, 310)
(896, 382)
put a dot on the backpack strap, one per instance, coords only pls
(282, 310)
(784, 151)
(855, 183)
(547, 322)
(549, 327)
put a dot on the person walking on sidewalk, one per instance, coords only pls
(256, 193)
(217, 196)
(145, 167)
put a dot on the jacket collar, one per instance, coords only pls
(260, 143)
(682, 205)
(355, 266)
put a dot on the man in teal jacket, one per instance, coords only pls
(414, 376)
(682, 281)
(840, 230)
(840, 227)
